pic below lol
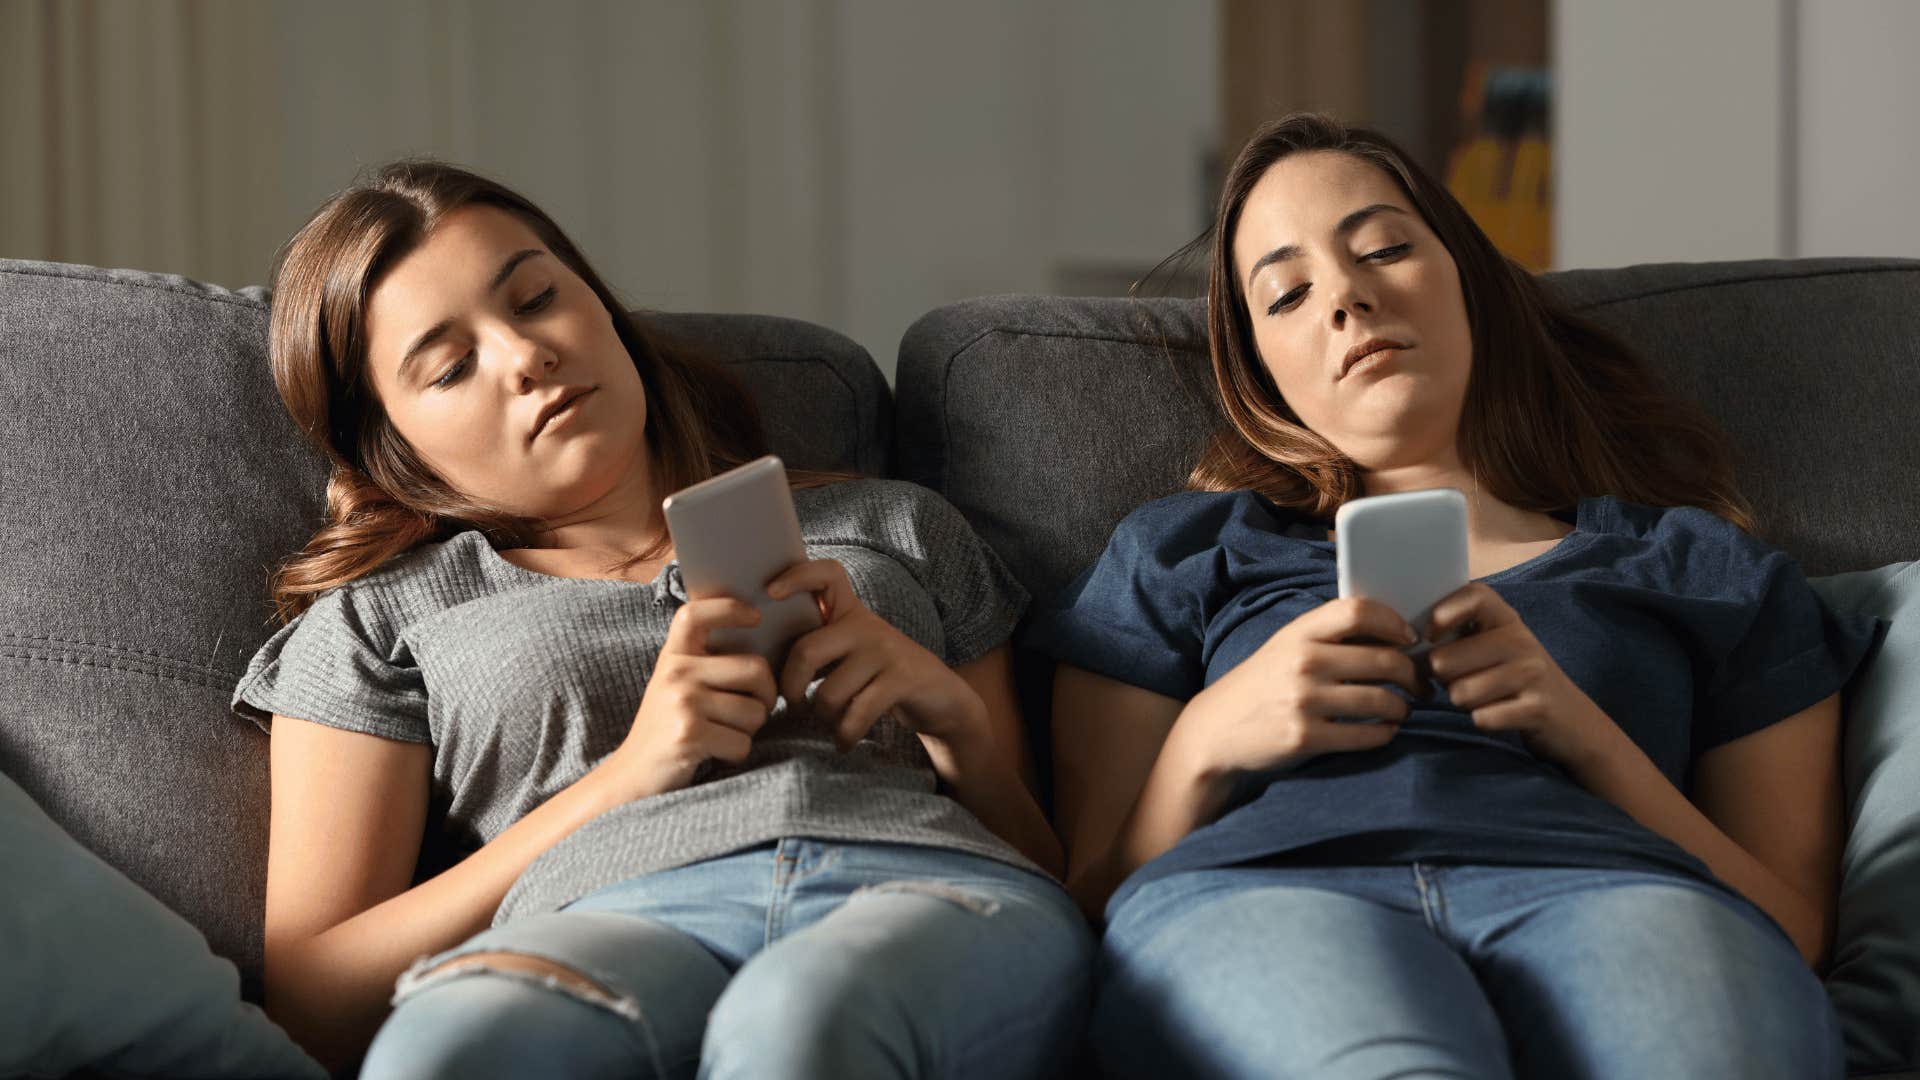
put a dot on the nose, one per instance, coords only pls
(1350, 295)
(528, 361)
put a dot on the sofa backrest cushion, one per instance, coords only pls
(1046, 419)
(151, 479)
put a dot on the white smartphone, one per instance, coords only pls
(733, 533)
(1407, 550)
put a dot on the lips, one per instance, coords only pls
(555, 407)
(1368, 348)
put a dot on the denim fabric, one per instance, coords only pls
(1457, 971)
(798, 959)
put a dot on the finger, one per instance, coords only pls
(736, 711)
(1474, 601)
(811, 652)
(1365, 663)
(1328, 737)
(825, 578)
(740, 673)
(1458, 659)
(1356, 617)
(1485, 687)
(726, 743)
(1347, 700)
(1513, 714)
(694, 623)
(865, 710)
(844, 682)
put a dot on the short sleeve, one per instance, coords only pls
(977, 596)
(1138, 614)
(338, 663)
(1771, 647)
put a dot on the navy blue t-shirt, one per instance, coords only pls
(1686, 631)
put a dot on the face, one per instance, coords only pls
(1332, 257)
(478, 331)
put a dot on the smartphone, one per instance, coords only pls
(1407, 550)
(732, 534)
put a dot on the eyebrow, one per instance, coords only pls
(1347, 224)
(434, 332)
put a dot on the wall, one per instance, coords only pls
(1734, 129)
(852, 162)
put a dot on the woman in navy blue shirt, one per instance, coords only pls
(1600, 837)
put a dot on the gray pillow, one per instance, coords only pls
(1875, 981)
(97, 974)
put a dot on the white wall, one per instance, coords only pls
(1734, 129)
(1859, 145)
(1668, 130)
(851, 162)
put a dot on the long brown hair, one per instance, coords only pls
(382, 499)
(1556, 408)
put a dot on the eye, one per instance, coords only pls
(535, 304)
(1387, 254)
(453, 372)
(1290, 300)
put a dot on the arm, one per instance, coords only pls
(1765, 817)
(1768, 819)
(348, 811)
(1121, 797)
(1136, 771)
(994, 779)
(341, 924)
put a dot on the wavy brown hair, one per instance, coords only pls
(382, 499)
(1556, 408)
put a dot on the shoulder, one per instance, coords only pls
(1190, 522)
(875, 509)
(1690, 547)
(411, 586)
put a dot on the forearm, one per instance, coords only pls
(1182, 792)
(331, 990)
(1621, 773)
(987, 781)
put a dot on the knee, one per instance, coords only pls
(826, 1000)
(499, 1014)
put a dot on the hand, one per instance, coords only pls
(1277, 709)
(697, 705)
(874, 668)
(1503, 676)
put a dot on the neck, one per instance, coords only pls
(1489, 521)
(617, 526)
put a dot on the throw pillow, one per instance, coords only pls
(99, 975)
(1875, 979)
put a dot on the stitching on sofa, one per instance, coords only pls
(113, 646)
(223, 298)
(200, 677)
(866, 417)
(191, 679)
(1749, 280)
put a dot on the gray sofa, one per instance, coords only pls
(151, 478)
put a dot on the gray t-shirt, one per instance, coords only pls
(523, 681)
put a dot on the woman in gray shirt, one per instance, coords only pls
(683, 859)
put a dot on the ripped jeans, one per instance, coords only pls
(796, 959)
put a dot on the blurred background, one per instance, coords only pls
(859, 162)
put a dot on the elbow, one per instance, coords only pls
(287, 981)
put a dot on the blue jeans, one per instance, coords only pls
(1457, 971)
(798, 959)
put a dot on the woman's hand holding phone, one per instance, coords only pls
(872, 668)
(697, 705)
(1279, 707)
(1507, 681)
